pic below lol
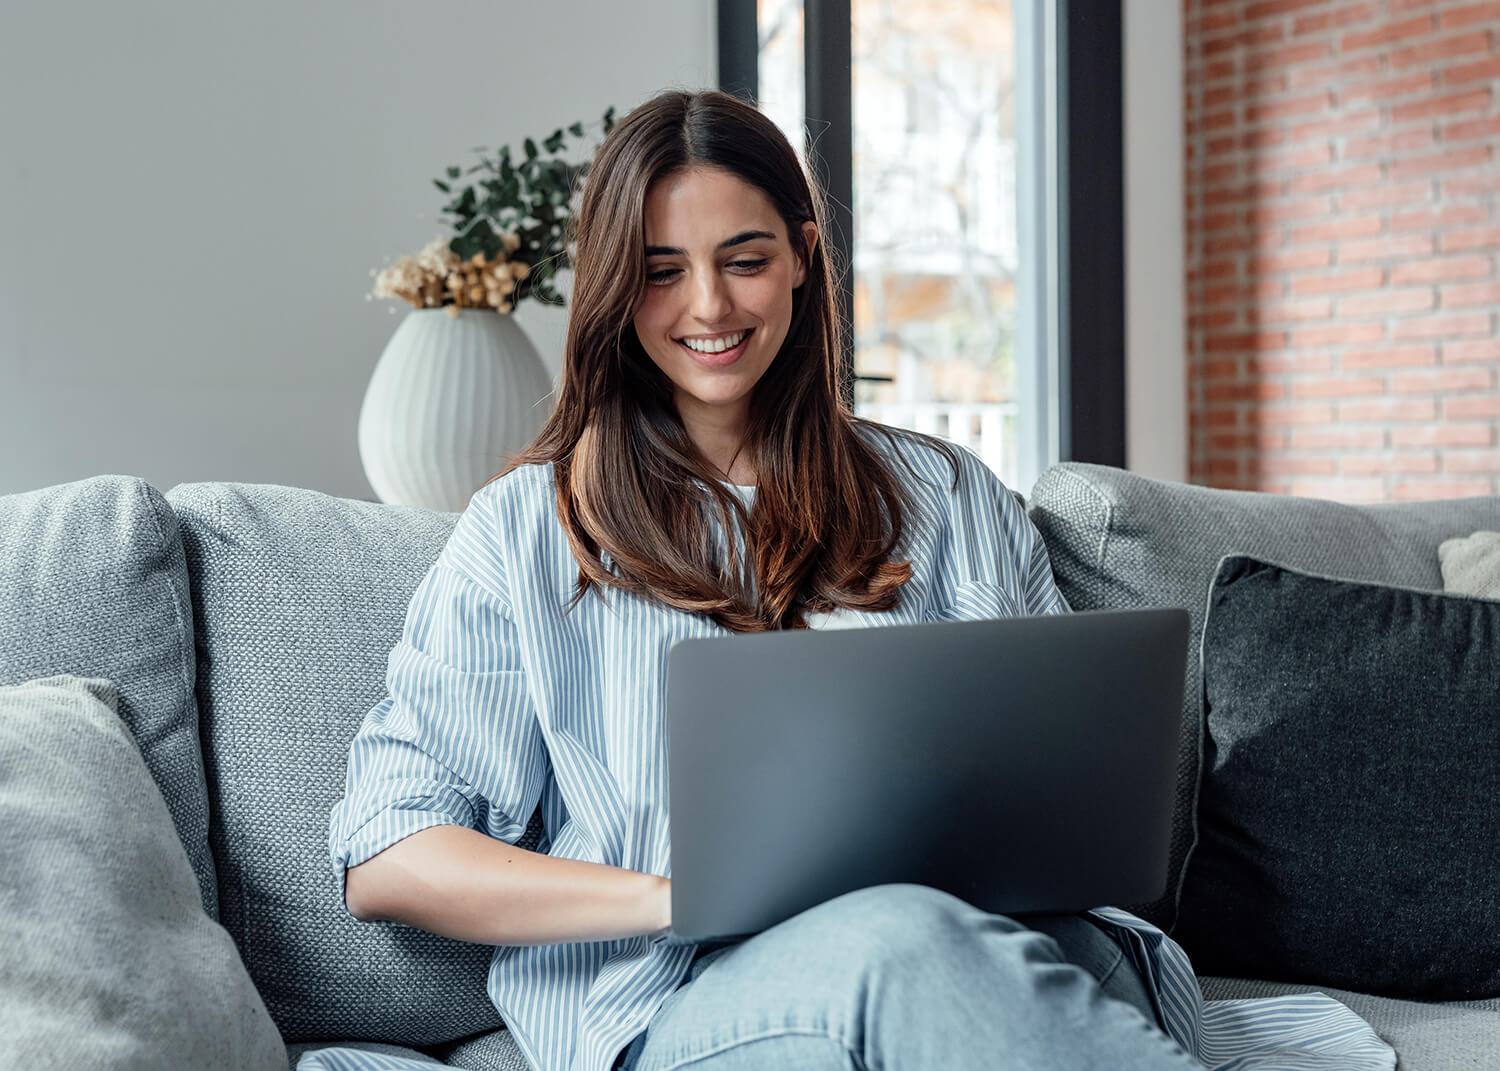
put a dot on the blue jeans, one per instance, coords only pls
(906, 977)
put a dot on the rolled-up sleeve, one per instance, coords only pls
(455, 741)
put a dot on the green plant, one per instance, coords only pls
(510, 230)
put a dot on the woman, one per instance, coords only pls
(699, 477)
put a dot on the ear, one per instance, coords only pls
(809, 243)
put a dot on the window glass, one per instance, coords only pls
(780, 69)
(935, 251)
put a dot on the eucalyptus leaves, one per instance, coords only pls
(510, 231)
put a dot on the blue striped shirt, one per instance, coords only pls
(501, 698)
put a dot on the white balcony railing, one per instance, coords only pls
(987, 428)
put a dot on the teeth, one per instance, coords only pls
(715, 345)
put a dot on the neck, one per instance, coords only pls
(720, 438)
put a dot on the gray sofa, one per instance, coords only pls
(240, 632)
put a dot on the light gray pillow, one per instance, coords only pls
(107, 959)
(298, 598)
(93, 583)
(1471, 566)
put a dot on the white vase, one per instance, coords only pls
(451, 399)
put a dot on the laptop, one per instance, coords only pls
(1025, 765)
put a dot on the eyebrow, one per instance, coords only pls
(738, 239)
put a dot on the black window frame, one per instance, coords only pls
(1091, 187)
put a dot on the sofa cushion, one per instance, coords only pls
(298, 599)
(95, 585)
(107, 958)
(1348, 827)
(398, 1053)
(1116, 539)
(493, 1051)
(1428, 1037)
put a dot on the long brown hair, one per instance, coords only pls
(631, 484)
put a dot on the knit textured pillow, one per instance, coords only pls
(298, 598)
(93, 584)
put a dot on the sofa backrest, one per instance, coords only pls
(298, 598)
(1119, 540)
(93, 583)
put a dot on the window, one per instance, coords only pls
(979, 191)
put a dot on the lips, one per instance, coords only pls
(720, 359)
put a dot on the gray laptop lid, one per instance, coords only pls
(1023, 764)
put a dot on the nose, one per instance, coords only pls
(710, 299)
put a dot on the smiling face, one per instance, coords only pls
(720, 272)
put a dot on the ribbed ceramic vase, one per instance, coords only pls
(451, 398)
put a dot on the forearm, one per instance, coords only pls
(463, 884)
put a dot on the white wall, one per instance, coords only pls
(1156, 436)
(192, 197)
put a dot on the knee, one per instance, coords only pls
(899, 902)
(894, 922)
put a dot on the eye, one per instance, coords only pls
(749, 267)
(662, 276)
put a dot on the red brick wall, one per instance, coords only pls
(1343, 246)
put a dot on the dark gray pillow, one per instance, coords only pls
(1349, 832)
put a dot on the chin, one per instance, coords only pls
(721, 401)
(716, 395)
